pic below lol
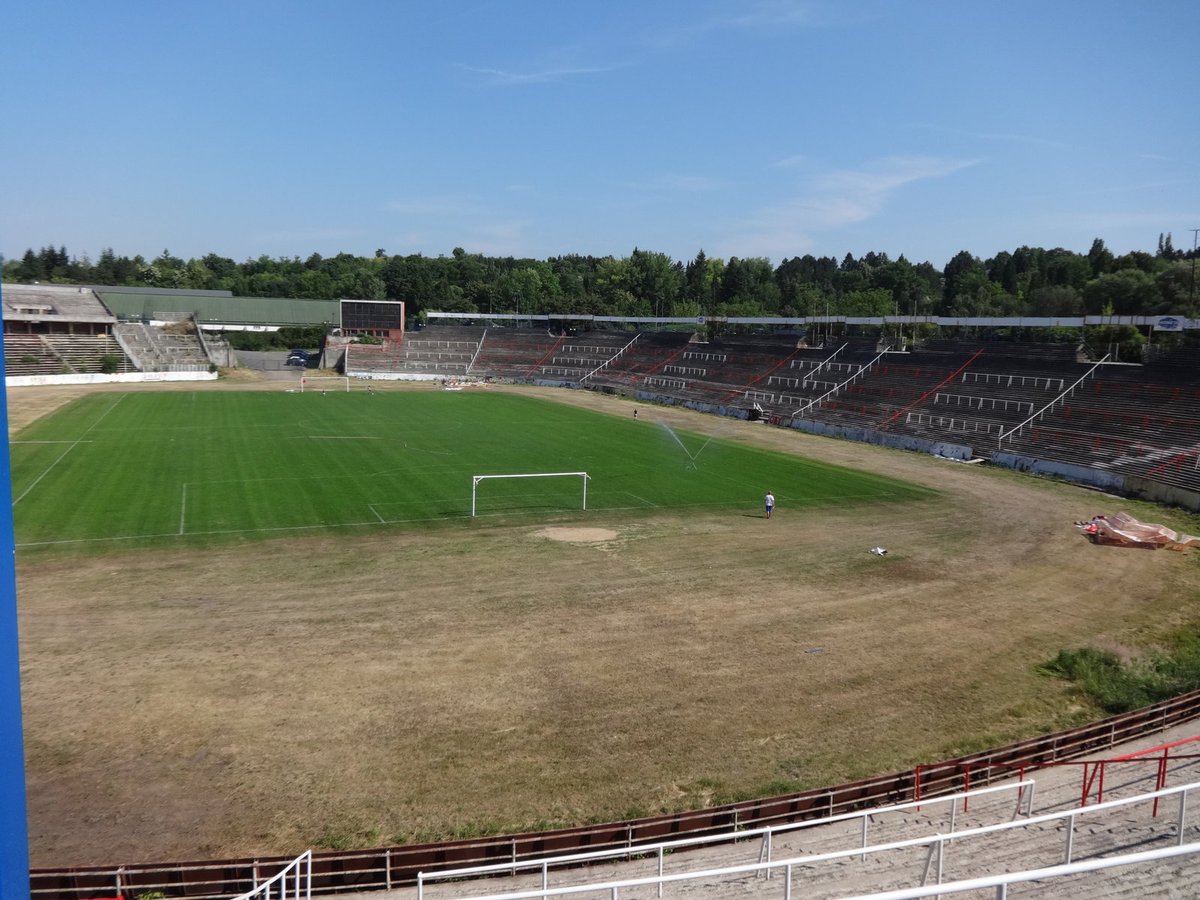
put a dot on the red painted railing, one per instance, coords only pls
(391, 867)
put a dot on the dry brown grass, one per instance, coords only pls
(258, 699)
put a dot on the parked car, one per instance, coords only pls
(298, 357)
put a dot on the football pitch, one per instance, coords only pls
(324, 649)
(196, 468)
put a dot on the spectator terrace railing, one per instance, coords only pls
(1021, 804)
(1055, 826)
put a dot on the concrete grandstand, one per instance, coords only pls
(1047, 408)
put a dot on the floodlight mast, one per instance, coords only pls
(475, 479)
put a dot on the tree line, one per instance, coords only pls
(1028, 281)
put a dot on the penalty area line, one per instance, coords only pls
(63, 455)
(648, 503)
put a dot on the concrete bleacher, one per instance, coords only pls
(63, 354)
(989, 398)
(1133, 420)
(154, 349)
(892, 848)
(441, 351)
(28, 354)
(812, 381)
(876, 392)
(1128, 419)
(640, 365)
(516, 353)
(580, 355)
(438, 352)
(678, 365)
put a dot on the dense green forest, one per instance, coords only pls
(1029, 281)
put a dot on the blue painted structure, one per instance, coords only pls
(14, 825)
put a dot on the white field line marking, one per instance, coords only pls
(640, 499)
(282, 528)
(403, 470)
(371, 507)
(73, 445)
(465, 516)
(730, 506)
(183, 507)
(14, 443)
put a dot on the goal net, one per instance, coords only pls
(582, 476)
(324, 383)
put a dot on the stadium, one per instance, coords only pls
(259, 615)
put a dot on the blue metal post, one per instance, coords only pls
(14, 826)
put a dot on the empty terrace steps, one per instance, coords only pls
(1011, 843)
(28, 354)
(155, 350)
(1005, 843)
(514, 353)
(1131, 421)
(63, 354)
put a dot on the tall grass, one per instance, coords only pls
(1120, 686)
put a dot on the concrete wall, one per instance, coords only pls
(1098, 478)
(116, 378)
(1166, 494)
(883, 439)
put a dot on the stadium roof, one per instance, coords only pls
(219, 310)
(67, 303)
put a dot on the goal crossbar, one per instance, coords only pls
(583, 476)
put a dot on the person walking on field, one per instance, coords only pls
(769, 502)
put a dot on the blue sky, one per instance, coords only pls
(744, 128)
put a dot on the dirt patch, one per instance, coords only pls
(579, 535)
(268, 697)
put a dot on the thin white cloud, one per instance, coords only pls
(772, 14)
(761, 15)
(832, 200)
(685, 184)
(789, 162)
(995, 136)
(541, 75)
(878, 179)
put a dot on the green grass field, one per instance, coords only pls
(203, 467)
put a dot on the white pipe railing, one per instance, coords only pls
(1024, 790)
(936, 844)
(863, 370)
(610, 359)
(1067, 393)
(475, 355)
(281, 887)
(1001, 882)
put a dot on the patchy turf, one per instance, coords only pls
(265, 697)
(202, 467)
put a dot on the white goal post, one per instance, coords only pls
(324, 383)
(583, 476)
